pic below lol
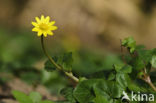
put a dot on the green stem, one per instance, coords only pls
(45, 52)
(147, 79)
(68, 74)
(152, 86)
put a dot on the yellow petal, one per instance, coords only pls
(53, 28)
(35, 29)
(39, 33)
(34, 24)
(50, 33)
(42, 18)
(37, 19)
(45, 34)
(47, 19)
(52, 23)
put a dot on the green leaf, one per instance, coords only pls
(123, 68)
(126, 69)
(46, 101)
(21, 97)
(62, 102)
(68, 93)
(83, 92)
(153, 61)
(101, 97)
(107, 90)
(35, 97)
(82, 79)
(138, 64)
(121, 78)
(102, 88)
(136, 85)
(145, 55)
(118, 67)
(130, 43)
(67, 61)
(49, 66)
(111, 76)
(116, 90)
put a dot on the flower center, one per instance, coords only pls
(43, 26)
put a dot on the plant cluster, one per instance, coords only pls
(135, 73)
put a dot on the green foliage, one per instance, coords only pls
(94, 91)
(83, 92)
(121, 78)
(65, 61)
(68, 94)
(123, 68)
(111, 76)
(49, 66)
(103, 78)
(21, 97)
(33, 97)
(153, 61)
(86, 63)
(108, 85)
(130, 43)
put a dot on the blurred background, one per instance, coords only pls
(91, 29)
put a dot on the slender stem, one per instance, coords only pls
(151, 84)
(147, 79)
(69, 74)
(45, 52)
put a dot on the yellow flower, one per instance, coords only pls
(43, 26)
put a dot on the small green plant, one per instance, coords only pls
(33, 97)
(136, 74)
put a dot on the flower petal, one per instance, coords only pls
(53, 28)
(35, 29)
(37, 19)
(47, 19)
(52, 23)
(45, 34)
(34, 23)
(42, 18)
(50, 33)
(39, 33)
